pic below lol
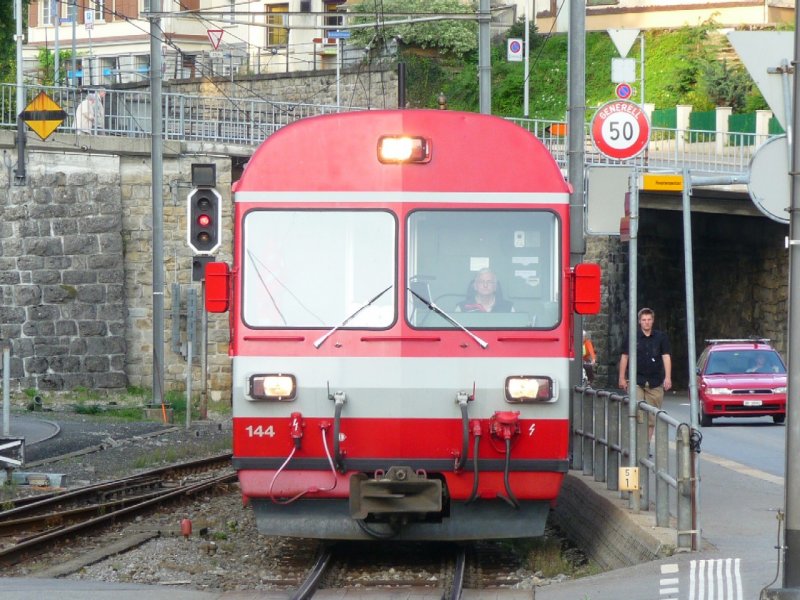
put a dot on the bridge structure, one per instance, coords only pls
(242, 123)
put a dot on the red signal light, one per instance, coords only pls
(204, 220)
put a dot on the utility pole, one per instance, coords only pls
(19, 174)
(56, 14)
(791, 531)
(156, 155)
(74, 18)
(526, 90)
(485, 57)
(576, 99)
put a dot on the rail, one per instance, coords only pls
(248, 121)
(601, 445)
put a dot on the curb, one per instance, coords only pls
(614, 537)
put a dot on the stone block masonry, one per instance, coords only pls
(62, 274)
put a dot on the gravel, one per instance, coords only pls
(224, 551)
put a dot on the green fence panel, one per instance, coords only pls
(665, 117)
(702, 121)
(775, 127)
(742, 129)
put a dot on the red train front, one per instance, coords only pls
(372, 397)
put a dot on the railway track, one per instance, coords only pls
(28, 524)
(445, 569)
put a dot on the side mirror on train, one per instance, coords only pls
(217, 287)
(586, 286)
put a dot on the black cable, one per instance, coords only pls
(509, 497)
(475, 473)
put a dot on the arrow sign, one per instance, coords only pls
(215, 36)
(43, 115)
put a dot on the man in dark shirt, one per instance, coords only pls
(653, 365)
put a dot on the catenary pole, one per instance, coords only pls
(56, 26)
(74, 19)
(19, 174)
(484, 58)
(791, 567)
(576, 100)
(790, 589)
(527, 87)
(158, 209)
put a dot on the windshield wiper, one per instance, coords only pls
(431, 305)
(321, 340)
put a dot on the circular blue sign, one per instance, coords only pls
(515, 47)
(624, 91)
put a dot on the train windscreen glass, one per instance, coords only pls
(319, 268)
(484, 268)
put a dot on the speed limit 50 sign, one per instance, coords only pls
(620, 130)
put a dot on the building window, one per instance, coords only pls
(48, 10)
(99, 9)
(337, 20)
(277, 33)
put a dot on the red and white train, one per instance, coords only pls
(368, 400)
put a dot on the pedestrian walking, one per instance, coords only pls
(653, 365)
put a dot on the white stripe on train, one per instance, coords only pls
(399, 387)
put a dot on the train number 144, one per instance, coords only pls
(260, 431)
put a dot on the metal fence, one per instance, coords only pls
(601, 445)
(248, 121)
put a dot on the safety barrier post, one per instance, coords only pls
(684, 491)
(600, 437)
(613, 448)
(577, 433)
(662, 466)
(643, 454)
(588, 434)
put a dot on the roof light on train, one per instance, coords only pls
(523, 389)
(403, 149)
(278, 387)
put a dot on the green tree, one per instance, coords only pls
(455, 37)
(47, 65)
(8, 47)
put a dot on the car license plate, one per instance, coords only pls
(752, 402)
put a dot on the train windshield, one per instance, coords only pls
(492, 269)
(319, 268)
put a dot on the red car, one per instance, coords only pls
(741, 378)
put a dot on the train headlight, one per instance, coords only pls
(522, 389)
(278, 387)
(403, 149)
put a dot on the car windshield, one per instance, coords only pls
(737, 362)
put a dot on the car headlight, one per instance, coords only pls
(521, 389)
(780, 390)
(719, 391)
(279, 387)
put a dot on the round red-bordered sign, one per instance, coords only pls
(620, 130)
(624, 91)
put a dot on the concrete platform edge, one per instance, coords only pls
(599, 522)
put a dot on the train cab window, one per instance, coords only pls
(451, 252)
(319, 269)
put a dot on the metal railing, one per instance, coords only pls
(601, 446)
(248, 121)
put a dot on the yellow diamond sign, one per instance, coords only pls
(43, 115)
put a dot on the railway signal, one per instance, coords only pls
(203, 231)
